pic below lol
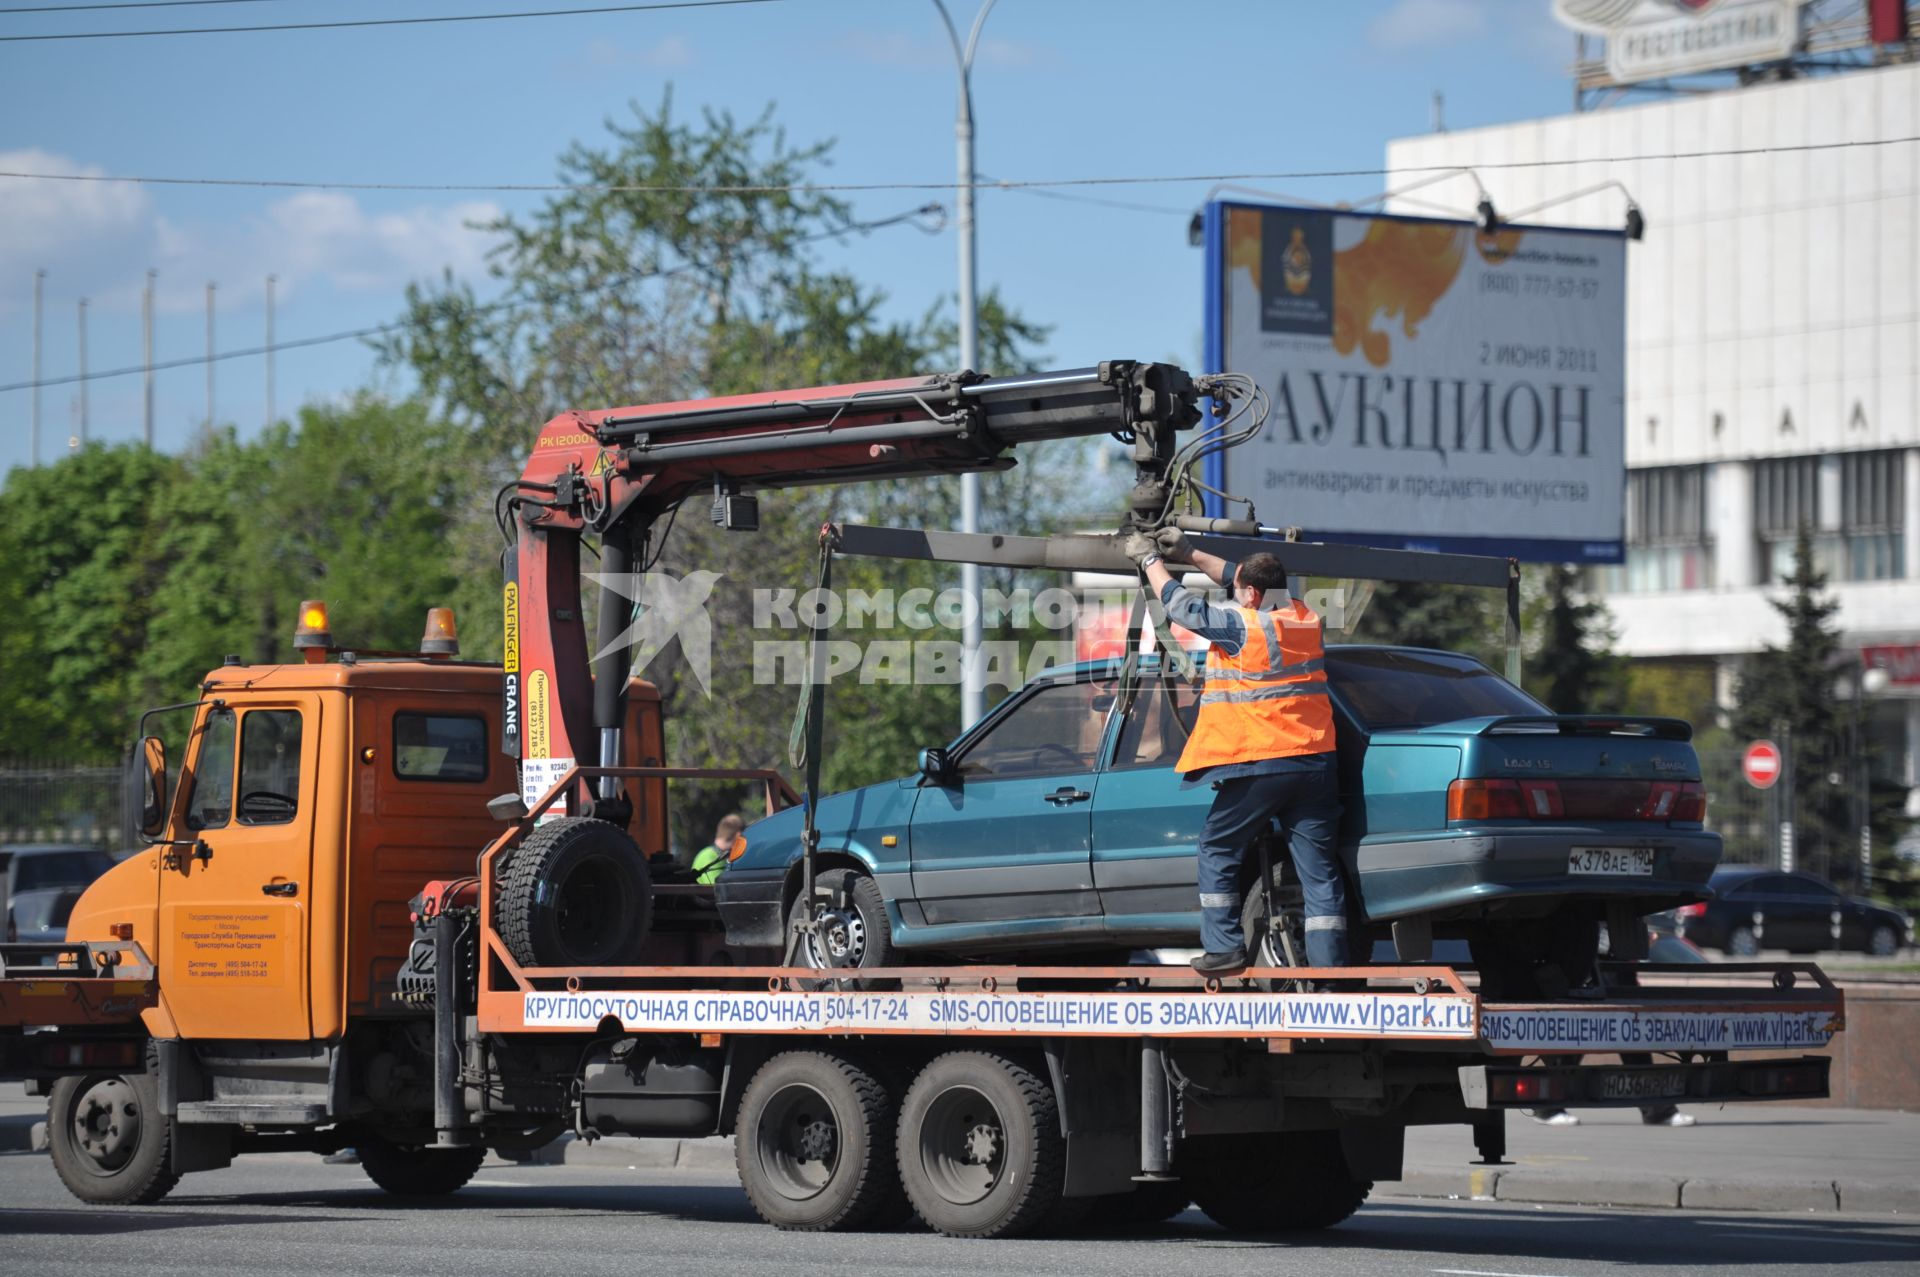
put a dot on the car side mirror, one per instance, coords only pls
(151, 756)
(935, 765)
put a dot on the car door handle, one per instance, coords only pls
(1067, 794)
(280, 889)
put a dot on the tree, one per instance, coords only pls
(1786, 694)
(1454, 618)
(79, 540)
(134, 573)
(685, 270)
(1572, 666)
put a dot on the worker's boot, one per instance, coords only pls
(1232, 962)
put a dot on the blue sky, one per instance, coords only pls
(1063, 88)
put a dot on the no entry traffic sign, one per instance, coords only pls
(1761, 764)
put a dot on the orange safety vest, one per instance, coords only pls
(1269, 699)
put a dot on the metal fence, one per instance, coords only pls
(61, 802)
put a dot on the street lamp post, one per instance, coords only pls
(1860, 683)
(972, 690)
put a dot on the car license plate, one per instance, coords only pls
(1642, 1086)
(1630, 861)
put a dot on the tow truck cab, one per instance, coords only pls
(312, 802)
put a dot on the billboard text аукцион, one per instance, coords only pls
(1432, 383)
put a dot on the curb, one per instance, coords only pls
(1558, 1188)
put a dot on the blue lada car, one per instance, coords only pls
(1059, 825)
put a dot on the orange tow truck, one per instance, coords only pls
(387, 906)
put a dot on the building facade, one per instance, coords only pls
(1773, 356)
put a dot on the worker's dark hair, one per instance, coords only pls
(1263, 572)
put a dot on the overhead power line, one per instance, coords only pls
(997, 184)
(387, 22)
(126, 4)
(510, 304)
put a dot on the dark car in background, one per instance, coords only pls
(40, 917)
(39, 883)
(1754, 909)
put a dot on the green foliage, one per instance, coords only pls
(1786, 695)
(1572, 666)
(79, 540)
(1456, 618)
(625, 296)
(136, 572)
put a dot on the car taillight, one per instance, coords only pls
(1485, 800)
(1501, 799)
(1694, 910)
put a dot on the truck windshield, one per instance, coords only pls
(1387, 689)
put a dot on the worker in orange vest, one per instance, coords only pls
(1264, 740)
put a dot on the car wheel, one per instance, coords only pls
(1268, 946)
(850, 928)
(1884, 942)
(1742, 943)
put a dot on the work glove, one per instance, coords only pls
(1173, 544)
(1141, 548)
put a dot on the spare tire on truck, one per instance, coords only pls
(577, 893)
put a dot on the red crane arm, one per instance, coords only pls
(613, 472)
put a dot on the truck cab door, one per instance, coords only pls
(233, 905)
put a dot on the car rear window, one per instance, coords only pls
(1388, 690)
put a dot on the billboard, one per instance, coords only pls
(1433, 386)
(1655, 39)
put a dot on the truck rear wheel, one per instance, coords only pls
(418, 1172)
(981, 1150)
(577, 893)
(1297, 1181)
(110, 1145)
(814, 1143)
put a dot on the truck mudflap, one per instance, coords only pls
(1504, 1086)
(79, 985)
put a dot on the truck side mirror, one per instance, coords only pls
(935, 765)
(151, 756)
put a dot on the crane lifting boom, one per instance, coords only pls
(613, 473)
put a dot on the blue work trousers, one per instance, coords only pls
(1306, 802)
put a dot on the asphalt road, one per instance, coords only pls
(291, 1214)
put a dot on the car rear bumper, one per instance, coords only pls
(1470, 872)
(749, 901)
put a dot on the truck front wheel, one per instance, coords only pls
(109, 1143)
(814, 1143)
(418, 1172)
(1296, 1181)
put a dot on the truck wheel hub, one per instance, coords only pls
(106, 1124)
(843, 937)
(983, 1143)
(816, 1141)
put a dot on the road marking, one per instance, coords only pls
(1822, 1238)
(1479, 1272)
